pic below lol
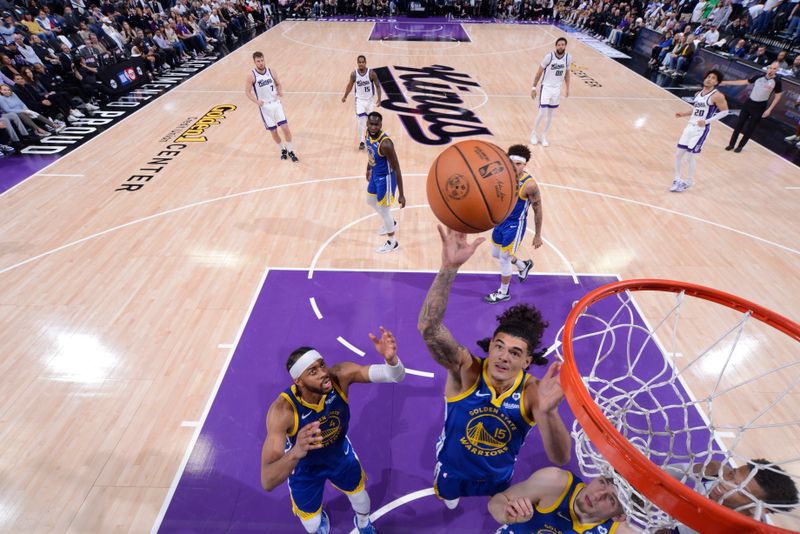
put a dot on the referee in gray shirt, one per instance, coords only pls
(764, 85)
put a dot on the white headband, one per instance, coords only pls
(304, 363)
(517, 159)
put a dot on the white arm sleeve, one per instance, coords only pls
(387, 373)
(717, 116)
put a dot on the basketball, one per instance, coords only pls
(472, 186)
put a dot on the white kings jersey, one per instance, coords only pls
(365, 89)
(264, 86)
(703, 108)
(555, 69)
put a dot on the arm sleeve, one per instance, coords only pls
(387, 373)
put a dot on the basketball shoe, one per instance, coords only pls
(523, 274)
(389, 246)
(497, 296)
(284, 154)
(293, 157)
(324, 524)
(369, 529)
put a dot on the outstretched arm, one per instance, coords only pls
(446, 351)
(387, 147)
(347, 373)
(555, 437)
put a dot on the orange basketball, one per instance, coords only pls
(472, 186)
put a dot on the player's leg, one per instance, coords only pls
(548, 121)
(305, 492)
(385, 188)
(690, 167)
(523, 266)
(502, 245)
(283, 124)
(350, 480)
(677, 183)
(267, 113)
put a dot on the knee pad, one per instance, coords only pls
(506, 269)
(312, 524)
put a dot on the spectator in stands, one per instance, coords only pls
(781, 60)
(710, 37)
(755, 12)
(11, 103)
(736, 29)
(7, 29)
(678, 63)
(8, 68)
(796, 67)
(760, 57)
(720, 15)
(661, 49)
(738, 49)
(70, 21)
(697, 12)
(15, 128)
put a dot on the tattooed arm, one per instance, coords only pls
(446, 351)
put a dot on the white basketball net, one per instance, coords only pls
(638, 377)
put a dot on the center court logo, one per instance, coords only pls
(195, 132)
(435, 113)
(581, 73)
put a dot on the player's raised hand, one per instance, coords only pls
(456, 250)
(550, 393)
(386, 345)
(308, 438)
(519, 510)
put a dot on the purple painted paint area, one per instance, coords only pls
(15, 169)
(393, 426)
(411, 30)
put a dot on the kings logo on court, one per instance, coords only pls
(434, 112)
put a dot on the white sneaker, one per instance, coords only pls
(687, 185)
(791, 139)
(497, 296)
(680, 187)
(91, 107)
(544, 142)
(387, 247)
(384, 231)
(450, 503)
(534, 139)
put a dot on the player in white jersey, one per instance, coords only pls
(709, 105)
(367, 87)
(553, 72)
(264, 89)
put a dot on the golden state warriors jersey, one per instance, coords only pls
(333, 414)
(519, 214)
(483, 432)
(378, 161)
(560, 517)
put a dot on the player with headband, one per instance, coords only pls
(307, 439)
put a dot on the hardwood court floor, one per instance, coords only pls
(115, 306)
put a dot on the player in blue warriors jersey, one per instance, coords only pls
(491, 403)
(307, 439)
(507, 236)
(554, 501)
(383, 177)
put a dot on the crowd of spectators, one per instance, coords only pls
(758, 31)
(51, 53)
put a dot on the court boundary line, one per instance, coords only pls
(342, 178)
(153, 101)
(211, 397)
